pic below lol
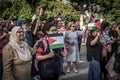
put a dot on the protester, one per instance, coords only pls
(36, 30)
(17, 57)
(71, 38)
(77, 28)
(27, 33)
(118, 31)
(94, 52)
(4, 38)
(106, 42)
(49, 62)
(114, 36)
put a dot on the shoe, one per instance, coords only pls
(68, 70)
(75, 70)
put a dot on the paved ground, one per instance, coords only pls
(82, 67)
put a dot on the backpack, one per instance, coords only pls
(35, 70)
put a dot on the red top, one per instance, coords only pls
(3, 42)
(39, 51)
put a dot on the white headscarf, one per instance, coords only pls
(20, 46)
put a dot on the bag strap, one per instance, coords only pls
(45, 45)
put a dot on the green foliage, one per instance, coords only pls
(18, 7)
(109, 9)
(53, 8)
(22, 9)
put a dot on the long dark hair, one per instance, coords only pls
(104, 24)
(47, 27)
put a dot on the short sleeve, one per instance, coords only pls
(89, 39)
(40, 48)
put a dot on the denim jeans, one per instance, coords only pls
(1, 69)
(61, 64)
(94, 70)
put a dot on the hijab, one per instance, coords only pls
(21, 47)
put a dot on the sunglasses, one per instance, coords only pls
(20, 31)
(73, 26)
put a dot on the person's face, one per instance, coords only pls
(20, 34)
(72, 27)
(95, 33)
(52, 30)
(107, 28)
(24, 26)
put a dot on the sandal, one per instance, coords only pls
(75, 70)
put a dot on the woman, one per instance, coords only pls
(49, 62)
(106, 42)
(114, 36)
(72, 39)
(94, 51)
(36, 30)
(16, 57)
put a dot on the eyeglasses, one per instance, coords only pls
(73, 26)
(20, 31)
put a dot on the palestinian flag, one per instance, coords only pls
(56, 40)
(94, 24)
(42, 11)
(90, 25)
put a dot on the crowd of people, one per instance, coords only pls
(101, 45)
(25, 49)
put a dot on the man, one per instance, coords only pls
(94, 51)
(27, 33)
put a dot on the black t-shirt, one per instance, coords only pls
(93, 52)
(114, 34)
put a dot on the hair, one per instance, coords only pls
(104, 24)
(47, 27)
(49, 20)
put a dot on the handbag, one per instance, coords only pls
(110, 66)
(117, 66)
(47, 68)
(104, 50)
(117, 61)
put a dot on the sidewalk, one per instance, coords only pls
(83, 44)
(82, 69)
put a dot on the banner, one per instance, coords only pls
(56, 41)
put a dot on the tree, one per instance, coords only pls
(108, 9)
(23, 8)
